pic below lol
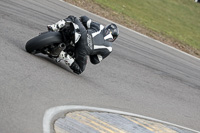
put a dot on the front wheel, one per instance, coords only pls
(36, 44)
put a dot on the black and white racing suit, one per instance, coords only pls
(91, 43)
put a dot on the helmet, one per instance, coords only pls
(112, 28)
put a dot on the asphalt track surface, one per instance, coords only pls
(141, 75)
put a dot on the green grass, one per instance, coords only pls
(179, 19)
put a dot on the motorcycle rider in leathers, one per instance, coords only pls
(95, 42)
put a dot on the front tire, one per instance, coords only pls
(36, 44)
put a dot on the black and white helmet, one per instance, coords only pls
(112, 28)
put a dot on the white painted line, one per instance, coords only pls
(52, 114)
(133, 31)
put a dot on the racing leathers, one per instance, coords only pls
(92, 43)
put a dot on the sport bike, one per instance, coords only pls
(51, 43)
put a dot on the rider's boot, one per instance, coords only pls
(67, 58)
(56, 26)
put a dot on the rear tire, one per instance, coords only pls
(36, 44)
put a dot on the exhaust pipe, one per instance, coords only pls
(56, 51)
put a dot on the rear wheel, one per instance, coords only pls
(38, 43)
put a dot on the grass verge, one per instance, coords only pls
(175, 23)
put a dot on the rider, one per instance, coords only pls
(95, 42)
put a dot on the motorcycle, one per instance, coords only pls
(51, 43)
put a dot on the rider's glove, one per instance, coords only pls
(71, 18)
